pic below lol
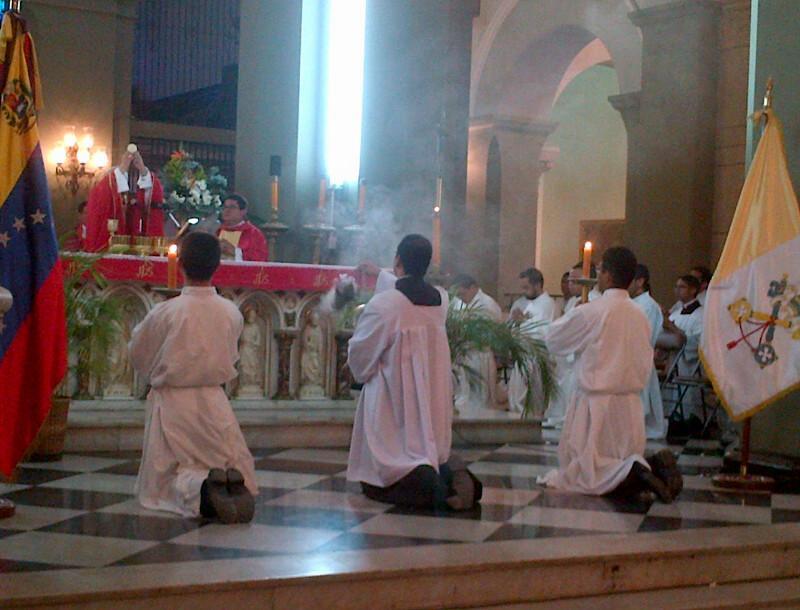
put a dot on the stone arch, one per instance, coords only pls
(122, 381)
(532, 43)
(267, 320)
(327, 325)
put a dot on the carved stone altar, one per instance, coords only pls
(287, 349)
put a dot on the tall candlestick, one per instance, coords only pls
(362, 196)
(437, 238)
(172, 267)
(323, 192)
(274, 189)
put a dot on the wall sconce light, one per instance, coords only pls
(78, 160)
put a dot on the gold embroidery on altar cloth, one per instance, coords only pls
(145, 270)
(261, 278)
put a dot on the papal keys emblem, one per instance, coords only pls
(757, 328)
(16, 106)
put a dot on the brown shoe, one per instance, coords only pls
(665, 467)
(241, 496)
(650, 481)
(215, 501)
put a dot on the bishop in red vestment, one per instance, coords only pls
(240, 239)
(129, 193)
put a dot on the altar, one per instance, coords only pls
(288, 350)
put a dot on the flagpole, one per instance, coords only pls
(744, 481)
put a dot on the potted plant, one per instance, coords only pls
(92, 326)
(469, 330)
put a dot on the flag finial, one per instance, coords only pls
(768, 93)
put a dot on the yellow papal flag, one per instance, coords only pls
(751, 326)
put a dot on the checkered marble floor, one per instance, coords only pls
(80, 512)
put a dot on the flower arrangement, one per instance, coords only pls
(189, 188)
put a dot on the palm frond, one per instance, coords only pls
(92, 318)
(470, 330)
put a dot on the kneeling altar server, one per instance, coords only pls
(194, 460)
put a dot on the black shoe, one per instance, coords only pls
(648, 480)
(241, 496)
(218, 501)
(665, 467)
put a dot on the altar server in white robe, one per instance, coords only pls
(400, 448)
(685, 324)
(655, 425)
(565, 365)
(603, 441)
(480, 394)
(533, 312)
(194, 460)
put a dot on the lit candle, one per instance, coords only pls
(587, 259)
(274, 194)
(362, 196)
(172, 266)
(587, 268)
(323, 192)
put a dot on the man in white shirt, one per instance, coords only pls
(602, 446)
(533, 311)
(654, 423)
(194, 460)
(685, 324)
(400, 448)
(470, 398)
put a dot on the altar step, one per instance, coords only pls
(118, 425)
(733, 567)
(776, 594)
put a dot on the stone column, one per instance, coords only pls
(268, 97)
(672, 150)
(520, 144)
(285, 342)
(479, 257)
(344, 378)
(734, 57)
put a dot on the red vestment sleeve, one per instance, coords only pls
(104, 203)
(253, 244)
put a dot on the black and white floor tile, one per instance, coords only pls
(81, 513)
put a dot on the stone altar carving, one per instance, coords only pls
(120, 370)
(251, 356)
(312, 376)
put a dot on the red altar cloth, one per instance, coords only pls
(270, 277)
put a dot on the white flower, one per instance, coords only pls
(201, 184)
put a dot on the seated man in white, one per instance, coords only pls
(400, 448)
(472, 395)
(654, 423)
(533, 311)
(685, 326)
(602, 445)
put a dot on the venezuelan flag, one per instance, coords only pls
(751, 325)
(33, 341)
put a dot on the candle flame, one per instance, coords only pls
(436, 209)
(173, 249)
(587, 245)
